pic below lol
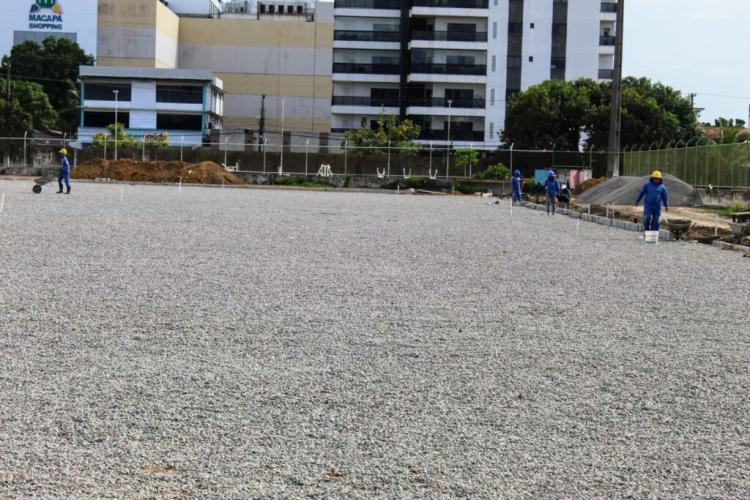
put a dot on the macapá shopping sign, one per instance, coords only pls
(46, 15)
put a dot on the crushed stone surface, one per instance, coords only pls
(624, 190)
(244, 343)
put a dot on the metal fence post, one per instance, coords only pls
(389, 160)
(307, 152)
(346, 161)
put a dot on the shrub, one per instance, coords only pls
(497, 172)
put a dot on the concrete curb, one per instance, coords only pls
(731, 246)
(664, 235)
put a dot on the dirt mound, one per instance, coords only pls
(206, 172)
(588, 184)
(624, 191)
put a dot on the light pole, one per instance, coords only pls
(448, 140)
(511, 156)
(24, 147)
(281, 167)
(116, 92)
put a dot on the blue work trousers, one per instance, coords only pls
(64, 177)
(651, 218)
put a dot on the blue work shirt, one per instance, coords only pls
(64, 165)
(654, 194)
(552, 187)
(517, 184)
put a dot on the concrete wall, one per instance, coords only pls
(291, 59)
(137, 33)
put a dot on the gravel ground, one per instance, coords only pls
(252, 343)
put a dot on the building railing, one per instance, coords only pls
(364, 101)
(368, 68)
(606, 74)
(462, 4)
(367, 4)
(442, 102)
(609, 7)
(450, 36)
(456, 135)
(606, 40)
(367, 36)
(449, 69)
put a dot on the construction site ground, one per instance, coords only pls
(159, 342)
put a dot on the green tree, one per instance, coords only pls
(389, 130)
(54, 65)
(14, 121)
(548, 115)
(555, 114)
(466, 158)
(497, 172)
(32, 99)
(126, 141)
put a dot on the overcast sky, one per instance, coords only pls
(700, 46)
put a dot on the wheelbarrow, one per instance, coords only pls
(679, 227)
(739, 230)
(45, 179)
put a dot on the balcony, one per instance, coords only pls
(367, 68)
(449, 36)
(442, 102)
(606, 41)
(367, 36)
(364, 101)
(367, 4)
(452, 4)
(609, 7)
(449, 69)
(456, 135)
(606, 74)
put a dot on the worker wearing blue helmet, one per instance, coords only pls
(553, 190)
(517, 185)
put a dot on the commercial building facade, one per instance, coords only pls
(184, 105)
(313, 68)
(451, 65)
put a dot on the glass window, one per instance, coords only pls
(169, 121)
(181, 94)
(101, 119)
(106, 91)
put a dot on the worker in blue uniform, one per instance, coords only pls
(654, 194)
(517, 185)
(64, 171)
(553, 190)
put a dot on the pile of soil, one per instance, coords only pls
(624, 191)
(206, 172)
(588, 184)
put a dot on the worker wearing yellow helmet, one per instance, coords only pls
(654, 193)
(64, 171)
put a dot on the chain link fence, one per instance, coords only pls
(30, 156)
(719, 165)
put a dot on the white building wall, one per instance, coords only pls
(497, 58)
(78, 18)
(582, 53)
(537, 42)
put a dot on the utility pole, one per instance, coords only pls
(7, 63)
(262, 121)
(615, 116)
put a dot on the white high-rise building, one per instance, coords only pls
(450, 65)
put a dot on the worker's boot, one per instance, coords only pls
(68, 191)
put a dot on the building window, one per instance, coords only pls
(494, 63)
(531, 58)
(106, 91)
(492, 130)
(494, 30)
(531, 25)
(169, 121)
(182, 94)
(102, 119)
(492, 97)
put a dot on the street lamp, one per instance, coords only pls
(116, 93)
(448, 139)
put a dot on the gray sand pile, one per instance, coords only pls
(624, 191)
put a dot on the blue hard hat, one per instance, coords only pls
(517, 173)
(551, 174)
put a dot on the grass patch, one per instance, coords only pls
(727, 210)
(301, 182)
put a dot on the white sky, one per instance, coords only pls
(700, 46)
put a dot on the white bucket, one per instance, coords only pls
(651, 236)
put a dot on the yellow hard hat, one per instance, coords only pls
(63, 151)
(656, 175)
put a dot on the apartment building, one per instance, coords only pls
(451, 65)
